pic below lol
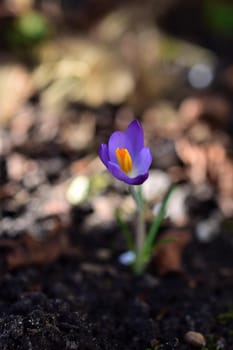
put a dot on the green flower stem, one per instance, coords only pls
(140, 220)
(145, 244)
(140, 230)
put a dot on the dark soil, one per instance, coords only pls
(91, 303)
(57, 295)
(62, 287)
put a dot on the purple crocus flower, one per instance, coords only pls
(125, 155)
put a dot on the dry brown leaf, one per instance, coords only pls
(210, 162)
(17, 7)
(78, 134)
(15, 88)
(216, 109)
(169, 255)
(19, 166)
(21, 124)
(28, 250)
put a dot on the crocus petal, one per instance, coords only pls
(143, 161)
(135, 137)
(117, 140)
(130, 143)
(138, 180)
(120, 175)
(103, 153)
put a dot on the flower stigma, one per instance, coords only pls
(124, 159)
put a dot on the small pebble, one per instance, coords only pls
(195, 339)
(127, 258)
(77, 190)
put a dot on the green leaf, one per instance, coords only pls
(149, 241)
(219, 16)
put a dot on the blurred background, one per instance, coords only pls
(73, 71)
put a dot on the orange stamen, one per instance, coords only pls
(124, 159)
